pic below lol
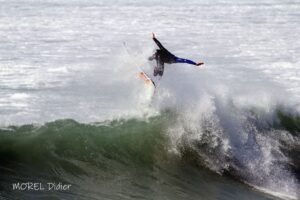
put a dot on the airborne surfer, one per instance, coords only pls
(162, 56)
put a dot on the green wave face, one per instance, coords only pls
(127, 142)
(288, 122)
(68, 151)
(131, 159)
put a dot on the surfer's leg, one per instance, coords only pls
(160, 73)
(159, 69)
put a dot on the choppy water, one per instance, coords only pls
(227, 131)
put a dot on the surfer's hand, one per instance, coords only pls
(153, 35)
(200, 63)
(151, 58)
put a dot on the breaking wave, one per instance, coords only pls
(260, 151)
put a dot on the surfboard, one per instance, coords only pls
(149, 88)
(145, 77)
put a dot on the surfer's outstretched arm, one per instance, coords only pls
(183, 60)
(157, 42)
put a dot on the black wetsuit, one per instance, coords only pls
(162, 55)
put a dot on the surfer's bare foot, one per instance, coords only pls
(200, 63)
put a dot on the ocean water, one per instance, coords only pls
(73, 110)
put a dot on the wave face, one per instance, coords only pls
(133, 159)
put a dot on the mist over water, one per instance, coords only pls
(237, 115)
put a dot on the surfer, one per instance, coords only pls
(162, 56)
